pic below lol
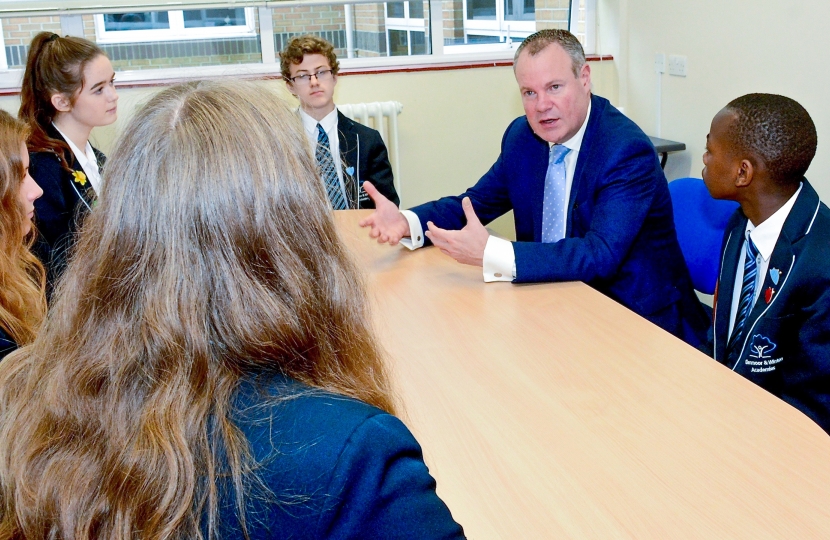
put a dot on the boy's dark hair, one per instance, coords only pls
(777, 130)
(300, 46)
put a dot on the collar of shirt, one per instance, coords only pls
(575, 142)
(87, 160)
(329, 123)
(765, 235)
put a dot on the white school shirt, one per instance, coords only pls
(499, 258)
(329, 124)
(764, 236)
(87, 160)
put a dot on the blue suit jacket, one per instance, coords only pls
(620, 235)
(7, 344)
(336, 468)
(786, 345)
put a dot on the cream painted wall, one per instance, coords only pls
(733, 47)
(450, 129)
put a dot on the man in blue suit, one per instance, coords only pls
(590, 200)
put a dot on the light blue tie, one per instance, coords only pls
(554, 206)
(746, 301)
(328, 171)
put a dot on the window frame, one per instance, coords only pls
(439, 53)
(177, 30)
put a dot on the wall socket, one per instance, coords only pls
(677, 65)
(660, 63)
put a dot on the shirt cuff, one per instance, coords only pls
(499, 260)
(416, 232)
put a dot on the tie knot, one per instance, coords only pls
(321, 133)
(558, 152)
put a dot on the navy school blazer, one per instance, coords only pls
(60, 211)
(620, 236)
(786, 345)
(364, 157)
(7, 344)
(331, 467)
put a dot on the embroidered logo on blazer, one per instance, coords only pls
(760, 359)
(761, 347)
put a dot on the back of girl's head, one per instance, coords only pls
(21, 296)
(55, 65)
(212, 256)
(215, 214)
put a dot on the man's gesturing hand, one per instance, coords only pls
(387, 223)
(465, 246)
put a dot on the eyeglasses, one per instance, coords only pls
(321, 76)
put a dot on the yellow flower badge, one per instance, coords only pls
(79, 177)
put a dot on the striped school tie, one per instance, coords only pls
(553, 207)
(328, 171)
(747, 300)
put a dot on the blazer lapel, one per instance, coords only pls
(783, 257)
(585, 149)
(780, 264)
(348, 158)
(726, 285)
(81, 184)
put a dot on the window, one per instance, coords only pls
(519, 10)
(174, 25)
(189, 39)
(481, 9)
(406, 28)
(584, 24)
(503, 21)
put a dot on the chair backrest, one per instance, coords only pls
(700, 221)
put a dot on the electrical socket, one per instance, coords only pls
(677, 65)
(660, 63)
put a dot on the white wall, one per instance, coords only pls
(734, 47)
(450, 129)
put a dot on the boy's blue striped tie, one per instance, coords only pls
(328, 171)
(747, 300)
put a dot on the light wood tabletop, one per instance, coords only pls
(550, 411)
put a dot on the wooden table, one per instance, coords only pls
(550, 411)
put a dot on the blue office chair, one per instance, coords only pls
(700, 221)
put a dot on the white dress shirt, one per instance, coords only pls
(764, 236)
(499, 257)
(329, 123)
(87, 160)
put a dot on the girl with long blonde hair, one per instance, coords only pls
(208, 368)
(22, 303)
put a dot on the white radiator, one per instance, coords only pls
(382, 116)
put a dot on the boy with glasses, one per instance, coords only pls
(348, 153)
